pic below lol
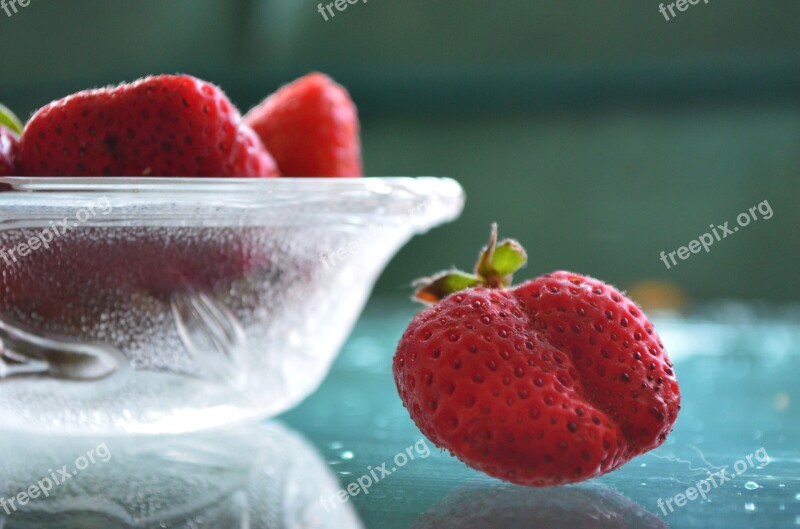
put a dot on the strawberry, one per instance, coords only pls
(311, 128)
(10, 128)
(169, 125)
(9, 152)
(555, 381)
(249, 157)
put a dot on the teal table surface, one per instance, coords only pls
(349, 457)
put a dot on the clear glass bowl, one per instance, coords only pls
(152, 306)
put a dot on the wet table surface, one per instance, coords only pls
(737, 440)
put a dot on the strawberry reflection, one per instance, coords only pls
(514, 507)
(260, 476)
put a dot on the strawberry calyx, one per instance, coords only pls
(10, 120)
(495, 269)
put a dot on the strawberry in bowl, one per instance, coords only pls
(166, 125)
(10, 129)
(9, 152)
(311, 127)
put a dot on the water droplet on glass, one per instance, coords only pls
(749, 506)
(751, 485)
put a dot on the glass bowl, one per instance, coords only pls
(158, 305)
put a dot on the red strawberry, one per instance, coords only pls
(9, 152)
(249, 157)
(311, 128)
(558, 380)
(158, 126)
(10, 127)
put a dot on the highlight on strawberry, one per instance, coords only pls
(554, 381)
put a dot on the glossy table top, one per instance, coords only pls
(738, 373)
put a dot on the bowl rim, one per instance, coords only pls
(378, 184)
(422, 202)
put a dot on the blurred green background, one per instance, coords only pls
(597, 133)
